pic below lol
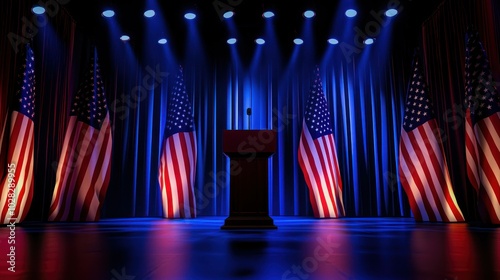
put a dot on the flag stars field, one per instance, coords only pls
(84, 179)
(318, 156)
(19, 144)
(482, 127)
(423, 170)
(178, 157)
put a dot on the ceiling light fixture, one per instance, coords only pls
(260, 41)
(149, 13)
(267, 14)
(309, 14)
(351, 13)
(190, 16)
(333, 41)
(108, 13)
(38, 10)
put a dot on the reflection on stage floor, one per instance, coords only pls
(301, 248)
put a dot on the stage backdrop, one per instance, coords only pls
(365, 93)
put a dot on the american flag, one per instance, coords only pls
(84, 166)
(422, 166)
(17, 146)
(482, 129)
(318, 156)
(178, 156)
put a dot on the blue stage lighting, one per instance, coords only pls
(391, 12)
(369, 41)
(351, 13)
(124, 37)
(228, 14)
(333, 41)
(309, 14)
(190, 16)
(231, 41)
(268, 14)
(149, 13)
(298, 41)
(162, 41)
(260, 41)
(39, 10)
(108, 13)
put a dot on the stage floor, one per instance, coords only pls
(301, 248)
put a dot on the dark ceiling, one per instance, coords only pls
(249, 23)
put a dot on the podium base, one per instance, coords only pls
(250, 222)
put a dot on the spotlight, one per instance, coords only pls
(268, 14)
(333, 41)
(190, 16)
(228, 14)
(39, 10)
(391, 12)
(309, 14)
(149, 13)
(260, 41)
(108, 13)
(162, 41)
(124, 38)
(369, 41)
(298, 41)
(231, 41)
(351, 13)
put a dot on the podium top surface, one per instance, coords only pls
(244, 142)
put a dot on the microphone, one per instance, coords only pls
(249, 113)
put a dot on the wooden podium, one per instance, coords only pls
(249, 151)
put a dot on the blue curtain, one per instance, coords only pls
(365, 94)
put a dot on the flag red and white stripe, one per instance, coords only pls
(17, 148)
(178, 157)
(177, 171)
(482, 133)
(423, 170)
(84, 167)
(317, 156)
